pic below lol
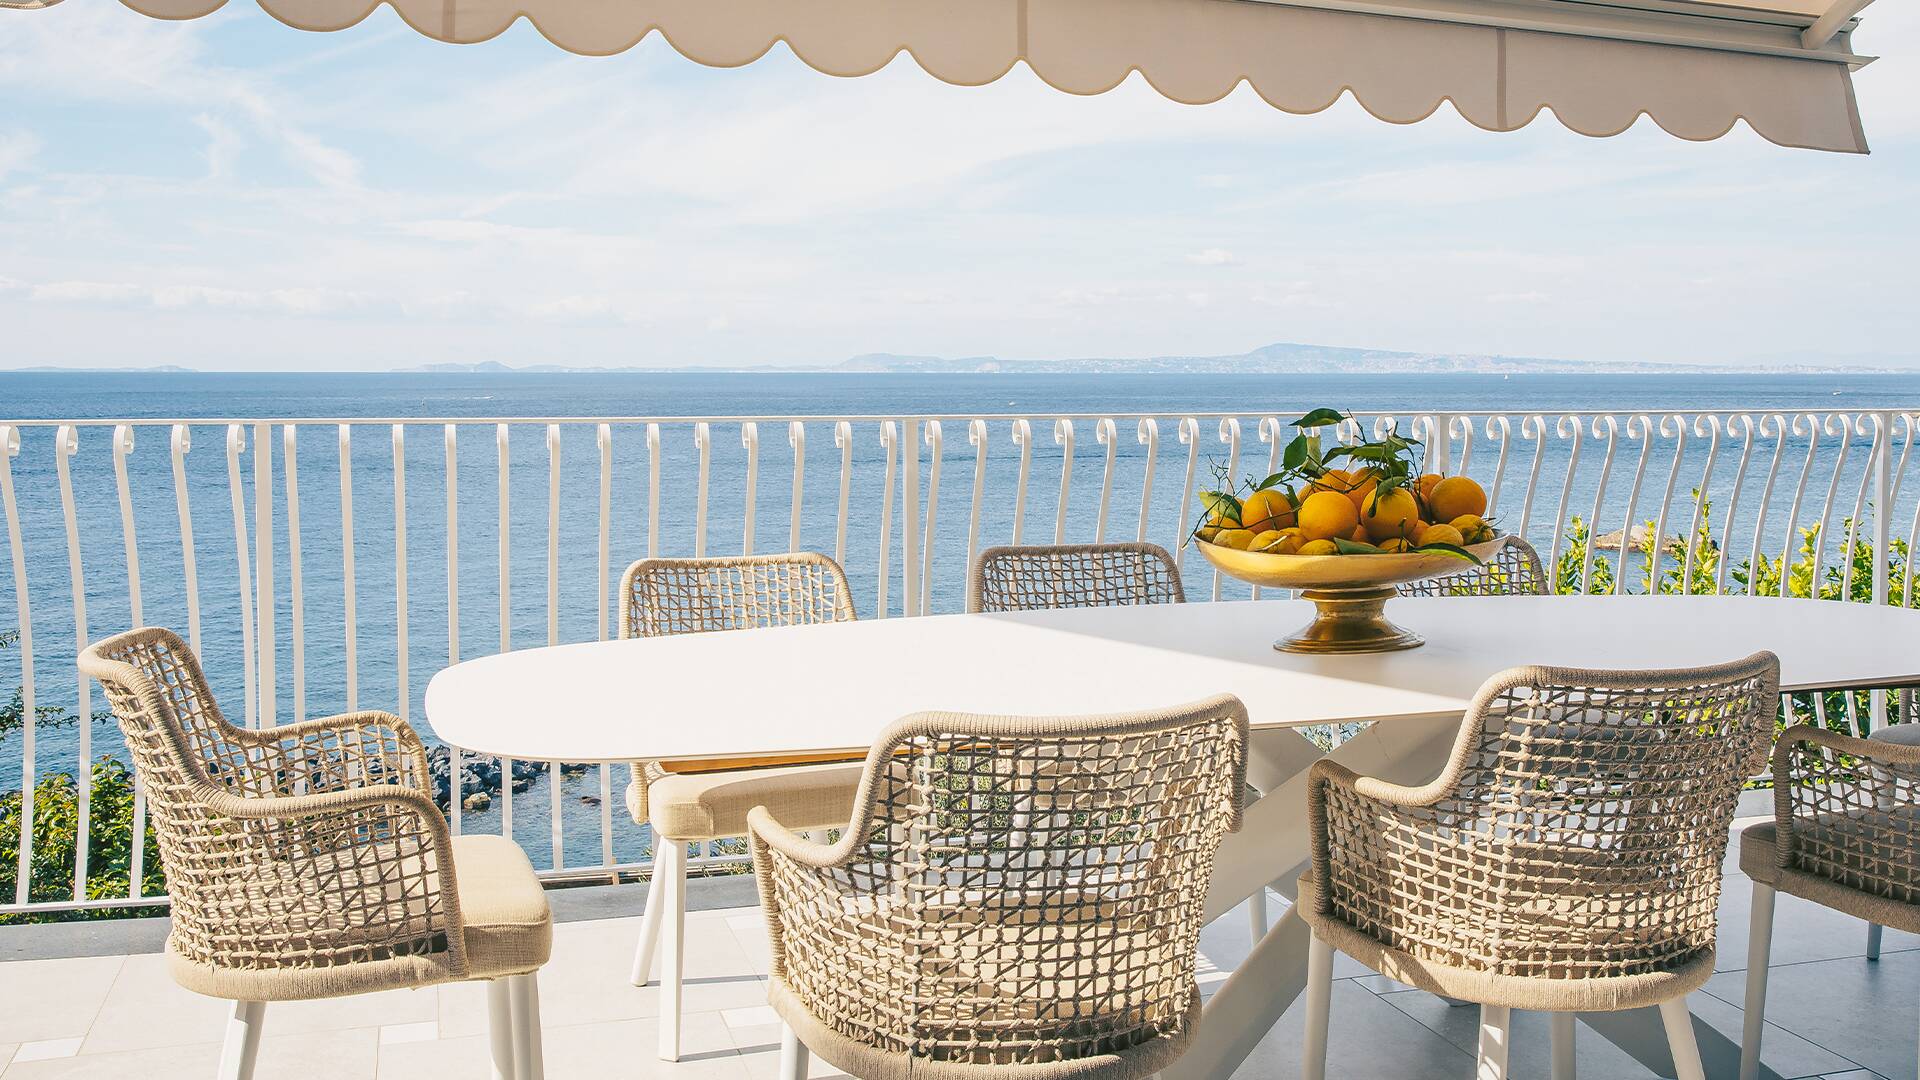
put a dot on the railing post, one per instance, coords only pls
(1440, 444)
(1882, 536)
(263, 566)
(910, 518)
(1882, 508)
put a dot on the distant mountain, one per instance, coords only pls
(1280, 358)
(1284, 358)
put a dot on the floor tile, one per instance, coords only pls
(1367, 1038)
(48, 1049)
(1594, 1057)
(1863, 1011)
(394, 1034)
(333, 1055)
(1783, 1051)
(145, 1008)
(53, 999)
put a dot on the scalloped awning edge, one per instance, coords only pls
(1300, 59)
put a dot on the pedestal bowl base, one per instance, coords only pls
(1350, 620)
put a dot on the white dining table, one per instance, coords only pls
(835, 687)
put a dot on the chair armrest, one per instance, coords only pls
(800, 879)
(293, 864)
(1363, 810)
(1822, 778)
(335, 753)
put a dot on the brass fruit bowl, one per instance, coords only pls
(1350, 592)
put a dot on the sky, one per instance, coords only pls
(233, 194)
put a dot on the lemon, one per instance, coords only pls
(1393, 546)
(1457, 496)
(1286, 545)
(1234, 538)
(1392, 514)
(1262, 539)
(1268, 508)
(1319, 547)
(1473, 528)
(1442, 534)
(1326, 514)
(1206, 533)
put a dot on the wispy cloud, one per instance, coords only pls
(274, 197)
(1212, 257)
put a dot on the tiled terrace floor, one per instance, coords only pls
(1834, 1014)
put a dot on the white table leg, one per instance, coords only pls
(1496, 1041)
(1271, 847)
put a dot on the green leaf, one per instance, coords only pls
(1295, 454)
(1449, 549)
(1319, 418)
(1221, 504)
(1355, 547)
(1270, 481)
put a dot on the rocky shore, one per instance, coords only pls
(481, 778)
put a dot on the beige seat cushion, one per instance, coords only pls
(509, 931)
(1760, 860)
(1898, 735)
(509, 925)
(1569, 994)
(711, 806)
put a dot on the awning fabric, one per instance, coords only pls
(1694, 68)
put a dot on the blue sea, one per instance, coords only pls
(1564, 488)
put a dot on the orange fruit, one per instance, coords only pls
(1457, 496)
(1427, 481)
(1360, 535)
(1324, 515)
(1392, 514)
(1268, 508)
(1334, 480)
(1363, 481)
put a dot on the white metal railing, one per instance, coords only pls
(334, 590)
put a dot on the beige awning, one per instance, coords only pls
(1783, 66)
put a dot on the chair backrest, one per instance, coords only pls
(1015, 890)
(1514, 570)
(1041, 576)
(1585, 814)
(263, 874)
(696, 596)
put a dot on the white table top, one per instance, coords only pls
(836, 687)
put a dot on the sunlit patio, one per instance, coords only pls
(95, 1001)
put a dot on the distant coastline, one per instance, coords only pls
(1283, 358)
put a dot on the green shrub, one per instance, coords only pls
(56, 829)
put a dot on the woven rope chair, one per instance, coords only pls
(699, 802)
(309, 861)
(1568, 859)
(1514, 570)
(1845, 835)
(952, 935)
(1039, 577)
